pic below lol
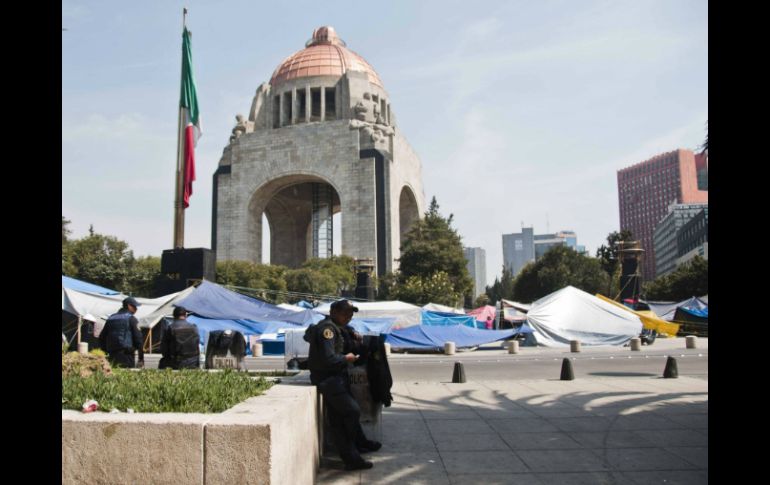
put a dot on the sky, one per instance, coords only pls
(521, 112)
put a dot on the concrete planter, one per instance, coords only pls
(267, 439)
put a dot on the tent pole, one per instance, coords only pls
(80, 322)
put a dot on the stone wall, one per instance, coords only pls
(268, 439)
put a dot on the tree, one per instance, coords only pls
(557, 268)
(67, 268)
(481, 300)
(436, 288)
(386, 286)
(501, 288)
(432, 246)
(342, 269)
(254, 275)
(64, 231)
(306, 280)
(143, 276)
(101, 260)
(610, 261)
(690, 279)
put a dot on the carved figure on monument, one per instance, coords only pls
(360, 110)
(240, 127)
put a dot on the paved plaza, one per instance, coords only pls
(601, 430)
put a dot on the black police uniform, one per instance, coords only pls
(120, 351)
(179, 346)
(329, 371)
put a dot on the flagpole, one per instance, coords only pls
(178, 206)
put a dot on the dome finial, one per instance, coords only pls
(325, 35)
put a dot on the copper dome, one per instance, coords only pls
(324, 55)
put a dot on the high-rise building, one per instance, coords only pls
(477, 268)
(646, 190)
(544, 242)
(666, 232)
(527, 247)
(693, 238)
(518, 249)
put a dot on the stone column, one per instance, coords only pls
(323, 103)
(308, 104)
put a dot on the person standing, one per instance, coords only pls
(328, 367)
(121, 336)
(180, 343)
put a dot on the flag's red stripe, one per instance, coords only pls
(189, 163)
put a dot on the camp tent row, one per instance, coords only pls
(553, 320)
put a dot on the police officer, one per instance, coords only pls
(179, 344)
(121, 335)
(328, 366)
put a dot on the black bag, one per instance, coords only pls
(223, 341)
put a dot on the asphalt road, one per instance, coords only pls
(531, 364)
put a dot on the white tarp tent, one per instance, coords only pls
(289, 306)
(405, 314)
(572, 314)
(149, 313)
(435, 307)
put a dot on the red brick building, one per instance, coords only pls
(645, 191)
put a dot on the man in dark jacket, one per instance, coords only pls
(121, 336)
(179, 345)
(329, 371)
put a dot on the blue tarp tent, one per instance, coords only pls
(78, 285)
(214, 301)
(667, 311)
(444, 319)
(434, 337)
(271, 346)
(372, 325)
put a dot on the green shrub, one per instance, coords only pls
(162, 391)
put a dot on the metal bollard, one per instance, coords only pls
(458, 376)
(636, 343)
(256, 350)
(83, 347)
(574, 345)
(387, 349)
(449, 348)
(691, 341)
(513, 347)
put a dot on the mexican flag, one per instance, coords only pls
(191, 122)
